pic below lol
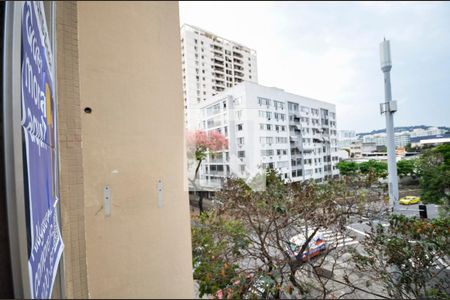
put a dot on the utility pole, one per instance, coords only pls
(388, 108)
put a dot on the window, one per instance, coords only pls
(264, 101)
(268, 152)
(239, 127)
(213, 110)
(261, 113)
(292, 106)
(266, 140)
(241, 154)
(240, 141)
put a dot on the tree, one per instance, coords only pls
(373, 169)
(405, 257)
(347, 167)
(199, 145)
(242, 247)
(434, 167)
(407, 167)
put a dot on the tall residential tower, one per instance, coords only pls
(211, 64)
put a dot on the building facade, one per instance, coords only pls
(345, 138)
(403, 138)
(125, 218)
(269, 128)
(210, 64)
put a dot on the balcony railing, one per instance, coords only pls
(237, 61)
(237, 54)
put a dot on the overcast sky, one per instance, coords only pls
(330, 51)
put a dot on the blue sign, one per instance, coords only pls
(45, 245)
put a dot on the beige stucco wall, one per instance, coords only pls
(130, 76)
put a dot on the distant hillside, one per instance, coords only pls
(402, 128)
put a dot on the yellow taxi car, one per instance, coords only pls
(408, 200)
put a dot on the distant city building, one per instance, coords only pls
(430, 140)
(430, 131)
(369, 147)
(345, 138)
(269, 128)
(210, 64)
(402, 138)
(356, 149)
(359, 149)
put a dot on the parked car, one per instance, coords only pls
(316, 246)
(408, 200)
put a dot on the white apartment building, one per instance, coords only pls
(401, 139)
(345, 138)
(419, 132)
(210, 64)
(268, 127)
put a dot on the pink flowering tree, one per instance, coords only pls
(199, 144)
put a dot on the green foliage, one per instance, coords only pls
(374, 167)
(213, 257)
(371, 169)
(404, 255)
(347, 168)
(434, 168)
(407, 167)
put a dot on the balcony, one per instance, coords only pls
(315, 140)
(237, 54)
(219, 82)
(237, 73)
(217, 61)
(217, 47)
(218, 88)
(218, 54)
(216, 173)
(218, 68)
(238, 67)
(237, 61)
(293, 139)
(218, 75)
